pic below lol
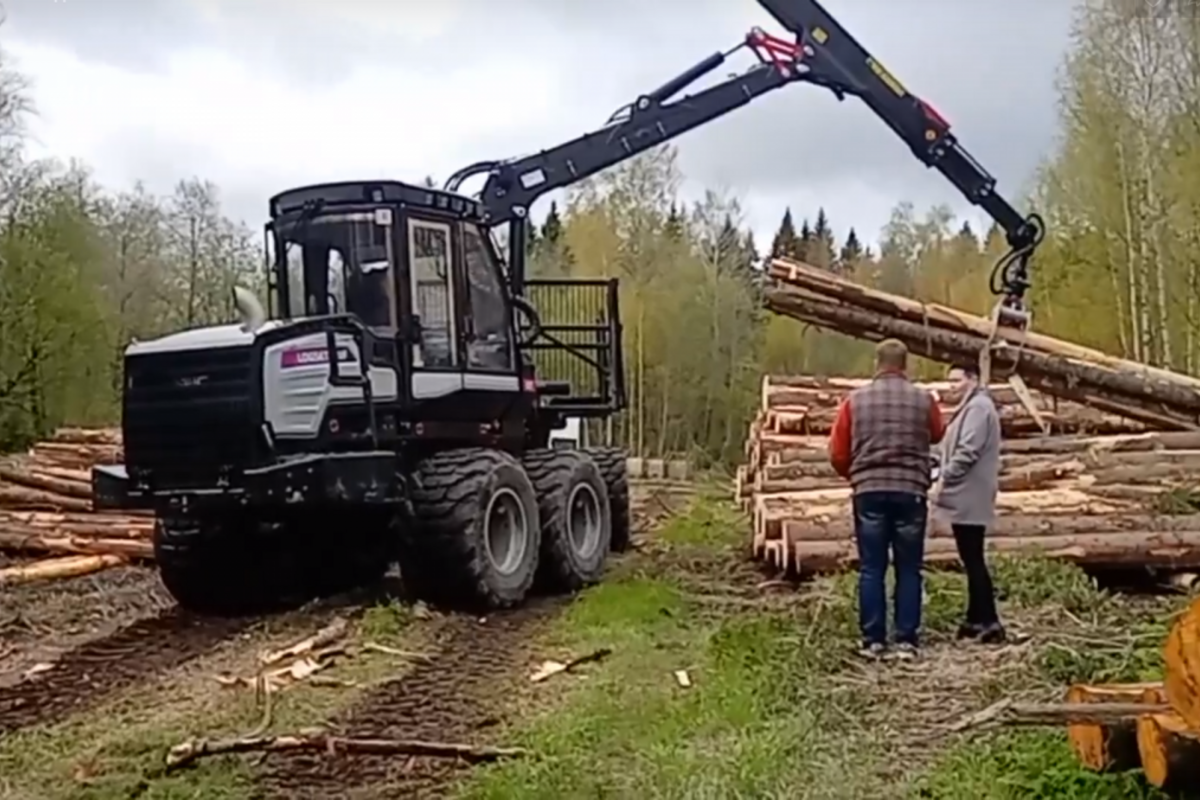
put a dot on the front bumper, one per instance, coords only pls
(335, 478)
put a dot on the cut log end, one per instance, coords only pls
(1181, 665)
(1170, 754)
(1112, 747)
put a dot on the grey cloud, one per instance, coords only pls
(130, 33)
(988, 65)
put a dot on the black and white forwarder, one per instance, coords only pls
(396, 400)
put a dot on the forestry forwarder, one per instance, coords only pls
(397, 408)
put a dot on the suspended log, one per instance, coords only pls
(55, 568)
(1181, 665)
(1111, 747)
(1144, 394)
(1169, 753)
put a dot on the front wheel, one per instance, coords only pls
(476, 531)
(226, 565)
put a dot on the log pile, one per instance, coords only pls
(46, 510)
(1152, 396)
(1097, 500)
(1163, 740)
(806, 405)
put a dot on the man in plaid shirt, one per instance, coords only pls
(881, 442)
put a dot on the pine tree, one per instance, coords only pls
(821, 227)
(804, 242)
(851, 252)
(822, 251)
(552, 226)
(533, 239)
(674, 227)
(785, 244)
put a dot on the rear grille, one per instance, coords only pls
(188, 414)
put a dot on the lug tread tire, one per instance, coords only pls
(443, 555)
(614, 467)
(554, 474)
(212, 566)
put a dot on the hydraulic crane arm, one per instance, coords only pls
(654, 118)
(829, 56)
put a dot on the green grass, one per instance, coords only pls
(753, 724)
(776, 710)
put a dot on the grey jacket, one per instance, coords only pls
(970, 462)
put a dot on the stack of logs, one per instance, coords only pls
(1164, 741)
(1094, 498)
(46, 510)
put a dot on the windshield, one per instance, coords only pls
(339, 263)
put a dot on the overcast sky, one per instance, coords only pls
(261, 95)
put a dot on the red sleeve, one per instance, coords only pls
(839, 440)
(937, 425)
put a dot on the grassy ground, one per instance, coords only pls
(117, 751)
(780, 708)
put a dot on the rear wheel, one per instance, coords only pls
(228, 564)
(612, 464)
(576, 520)
(476, 531)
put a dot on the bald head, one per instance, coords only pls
(891, 354)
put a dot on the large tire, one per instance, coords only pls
(476, 531)
(225, 566)
(576, 519)
(613, 466)
(350, 549)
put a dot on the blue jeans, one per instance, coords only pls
(890, 523)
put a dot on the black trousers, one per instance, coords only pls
(981, 595)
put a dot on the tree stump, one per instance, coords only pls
(1113, 747)
(1170, 753)
(1181, 660)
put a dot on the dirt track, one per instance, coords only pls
(69, 646)
(454, 697)
(87, 674)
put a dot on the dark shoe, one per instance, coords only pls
(904, 651)
(993, 634)
(873, 650)
(969, 630)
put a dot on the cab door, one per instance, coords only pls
(431, 282)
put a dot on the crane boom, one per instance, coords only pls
(653, 119)
(831, 57)
(824, 54)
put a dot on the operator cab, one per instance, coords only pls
(414, 264)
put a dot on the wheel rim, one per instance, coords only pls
(506, 531)
(584, 520)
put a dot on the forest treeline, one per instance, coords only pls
(84, 270)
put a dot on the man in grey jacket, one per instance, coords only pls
(966, 497)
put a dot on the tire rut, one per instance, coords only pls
(86, 675)
(454, 697)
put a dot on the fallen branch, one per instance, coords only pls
(548, 669)
(1007, 712)
(185, 754)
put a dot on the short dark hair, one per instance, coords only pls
(969, 368)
